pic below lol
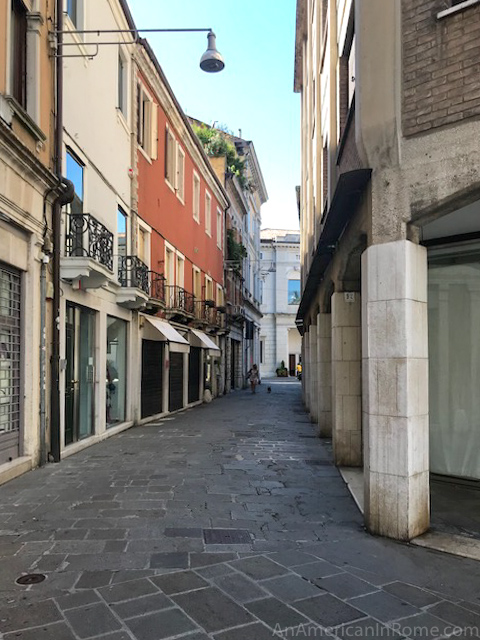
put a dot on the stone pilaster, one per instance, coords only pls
(346, 379)
(313, 377)
(395, 399)
(324, 381)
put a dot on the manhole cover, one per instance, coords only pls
(226, 536)
(30, 578)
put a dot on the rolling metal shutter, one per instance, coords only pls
(175, 400)
(9, 364)
(152, 377)
(194, 374)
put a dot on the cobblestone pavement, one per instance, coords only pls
(131, 536)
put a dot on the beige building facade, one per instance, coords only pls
(27, 190)
(390, 226)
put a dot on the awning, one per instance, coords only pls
(199, 339)
(160, 330)
(349, 189)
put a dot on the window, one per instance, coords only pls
(19, 53)
(169, 266)
(170, 157)
(208, 288)
(116, 374)
(180, 279)
(208, 213)
(219, 301)
(197, 283)
(75, 173)
(196, 197)
(219, 228)
(262, 350)
(147, 123)
(75, 13)
(121, 232)
(122, 84)
(72, 11)
(294, 292)
(180, 185)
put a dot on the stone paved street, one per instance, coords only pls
(130, 536)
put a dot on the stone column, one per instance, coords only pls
(324, 381)
(313, 377)
(346, 379)
(395, 371)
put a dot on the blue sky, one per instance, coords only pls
(253, 93)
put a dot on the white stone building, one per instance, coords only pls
(280, 273)
(390, 253)
(99, 382)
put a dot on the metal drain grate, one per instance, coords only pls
(318, 463)
(226, 536)
(30, 578)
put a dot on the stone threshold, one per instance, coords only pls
(15, 468)
(456, 545)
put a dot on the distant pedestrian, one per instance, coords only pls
(253, 377)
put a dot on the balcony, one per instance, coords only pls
(88, 260)
(179, 303)
(156, 300)
(134, 283)
(236, 314)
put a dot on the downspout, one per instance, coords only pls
(46, 250)
(63, 199)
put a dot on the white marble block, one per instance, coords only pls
(346, 379)
(395, 389)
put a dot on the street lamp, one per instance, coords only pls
(212, 60)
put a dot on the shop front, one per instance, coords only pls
(165, 355)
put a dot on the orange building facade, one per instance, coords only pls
(180, 205)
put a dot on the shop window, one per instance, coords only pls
(116, 380)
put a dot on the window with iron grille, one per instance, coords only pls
(9, 351)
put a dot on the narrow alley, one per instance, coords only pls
(228, 522)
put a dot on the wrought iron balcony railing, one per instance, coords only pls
(87, 238)
(176, 298)
(132, 272)
(157, 286)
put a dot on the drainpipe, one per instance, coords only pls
(43, 347)
(63, 199)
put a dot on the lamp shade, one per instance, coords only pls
(212, 60)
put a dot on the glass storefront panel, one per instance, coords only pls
(116, 379)
(454, 357)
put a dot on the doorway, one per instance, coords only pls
(291, 364)
(79, 373)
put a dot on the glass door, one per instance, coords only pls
(79, 373)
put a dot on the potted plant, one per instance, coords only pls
(282, 371)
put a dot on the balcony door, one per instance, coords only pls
(79, 373)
